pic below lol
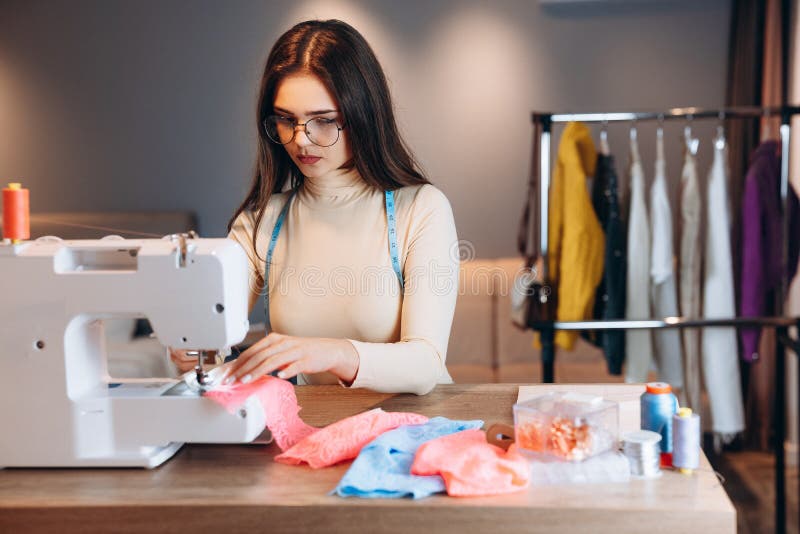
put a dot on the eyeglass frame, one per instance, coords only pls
(339, 128)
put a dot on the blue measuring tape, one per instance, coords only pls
(390, 220)
(276, 230)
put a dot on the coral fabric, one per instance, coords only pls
(471, 466)
(279, 402)
(344, 439)
(383, 467)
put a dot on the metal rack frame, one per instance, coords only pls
(542, 138)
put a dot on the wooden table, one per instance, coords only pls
(238, 488)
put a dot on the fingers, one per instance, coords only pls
(293, 369)
(262, 343)
(259, 366)
(271, 364)
(292, 356)
(264, 362)
(253, 350)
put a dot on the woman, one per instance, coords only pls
(362, 284)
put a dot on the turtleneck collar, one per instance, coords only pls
(333, 190)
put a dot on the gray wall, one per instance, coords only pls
(108, 105)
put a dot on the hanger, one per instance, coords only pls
(604, 148)
(719, 141)
(660, 137)
(691, 143)
(634, 141)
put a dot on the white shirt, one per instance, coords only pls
(720, 349)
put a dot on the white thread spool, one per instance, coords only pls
(643, 451)
(686, 441)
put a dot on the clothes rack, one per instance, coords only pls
(543, 122)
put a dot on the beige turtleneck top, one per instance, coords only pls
(331, 276)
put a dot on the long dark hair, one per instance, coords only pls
(343, 60)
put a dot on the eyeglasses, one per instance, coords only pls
(320, 131)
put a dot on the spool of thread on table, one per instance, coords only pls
(658, 405)
(686, 441)
(642, 448)
(16, 213)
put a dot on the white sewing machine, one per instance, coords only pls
(58, 407)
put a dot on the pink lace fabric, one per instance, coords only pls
(280, 407)
(344, 439)
(471, 466)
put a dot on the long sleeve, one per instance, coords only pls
(638, 343)
(576, 239)
(762, 241)
(416, 363)
(719, 347)
(689, 288)
(610, 300)
(752, 280)
(666, 343)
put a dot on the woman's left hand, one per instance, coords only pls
(293, 355)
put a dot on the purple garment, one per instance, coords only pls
(762, 240)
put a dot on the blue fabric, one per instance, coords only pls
(383, 467)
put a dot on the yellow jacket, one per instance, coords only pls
(576, 239)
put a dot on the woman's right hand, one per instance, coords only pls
(183, 362)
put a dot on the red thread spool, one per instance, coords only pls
(16, 213)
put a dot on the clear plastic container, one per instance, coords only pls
(568, 426)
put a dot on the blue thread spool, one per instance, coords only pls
(658, 405)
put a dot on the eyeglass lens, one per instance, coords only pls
(320, 131)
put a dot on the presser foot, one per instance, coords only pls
(200, 375)
(200, 382)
